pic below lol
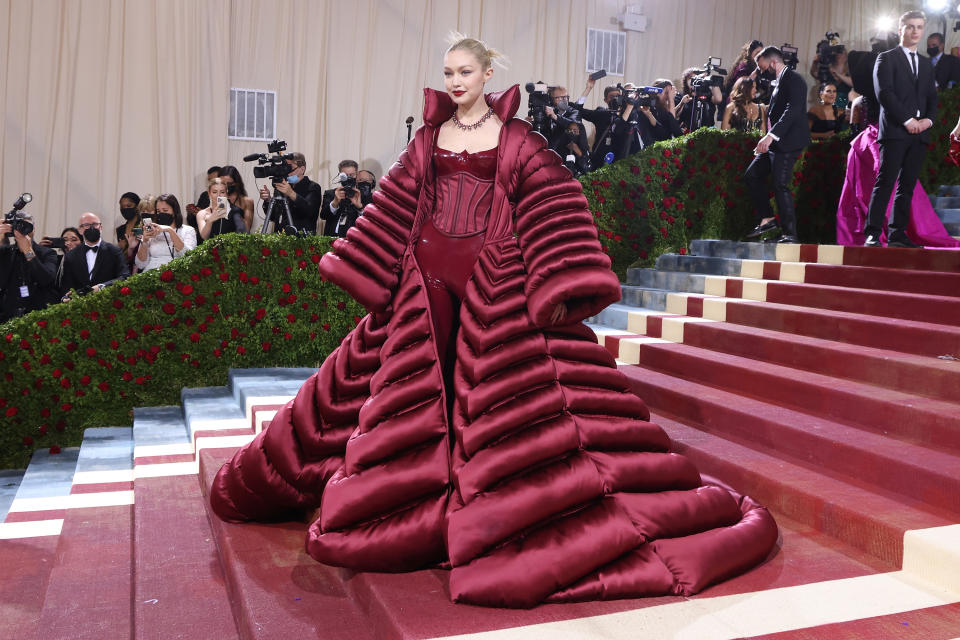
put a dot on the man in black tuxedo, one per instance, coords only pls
(903, 81)
(27, 270)
(777, 152)
(946, 68)
(95, 263)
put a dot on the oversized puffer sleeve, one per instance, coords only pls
(558, 239)
(366, 263)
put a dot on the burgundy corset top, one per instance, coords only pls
(464, 192)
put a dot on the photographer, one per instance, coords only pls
(366, 184)
(27, 269)
(602, 119)
(829, 66)
(303, 194)
(667, 126)
(166, 237)
(343, 204)
(221, 216)
(571, 145)
(95, 263)
(701, 95)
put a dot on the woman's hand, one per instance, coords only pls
(559, 314)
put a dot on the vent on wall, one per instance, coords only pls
(606, 50)
(253, 114)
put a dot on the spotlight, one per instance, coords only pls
(885, 24)
(936, 6)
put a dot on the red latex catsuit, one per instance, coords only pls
(451, 239)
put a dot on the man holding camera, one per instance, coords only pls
(566, 134)
(94, 264)
(27, 269)
(777, 152)
(343, 204)
(303, 195)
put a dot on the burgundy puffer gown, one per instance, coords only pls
(547, 482)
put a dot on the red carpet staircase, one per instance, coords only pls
(823, 381)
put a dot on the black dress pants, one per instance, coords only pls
(779, 166)
(900, 159)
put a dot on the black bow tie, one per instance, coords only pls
(89, 248)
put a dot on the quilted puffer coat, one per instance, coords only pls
(546, 482)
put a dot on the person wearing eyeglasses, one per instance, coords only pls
(95, 263)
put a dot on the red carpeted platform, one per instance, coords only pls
(828, 398)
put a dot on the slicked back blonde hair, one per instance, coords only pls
(485, 55)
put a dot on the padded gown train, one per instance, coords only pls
(456, 427)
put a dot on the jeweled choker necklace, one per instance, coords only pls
(475, 125)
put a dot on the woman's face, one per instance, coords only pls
(464, 77)
(754, 52)
(216, 190)
(127, 203)
(829, 94)
(669, 93)
(164, 207)
(752, 92)
(70, 240)
(228, 181)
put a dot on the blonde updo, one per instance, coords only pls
(147, 204)
(485, 55)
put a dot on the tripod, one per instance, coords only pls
(285, 204)
(696, 112)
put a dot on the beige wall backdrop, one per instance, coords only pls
(105, 96)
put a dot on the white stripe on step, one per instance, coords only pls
(165, 469)
(36, 529)
(100, 477)
(73, 501)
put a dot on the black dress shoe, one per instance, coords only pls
(785, 239)
(761, 229)
(872, 241)
(901, 240)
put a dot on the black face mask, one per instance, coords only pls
(91, 235)
(769, 74)
(366, 191)
(932, 51)
(128, 213)
(164, 219)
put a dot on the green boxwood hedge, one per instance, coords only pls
(237, 301)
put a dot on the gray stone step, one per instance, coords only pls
(247, 385)
(707, 265)
(615, 316)
(648, 298)
(947, 202)
(45, 486)
(211, 408)
(733, 249)
(663, 279)
(949, 215)
(105, 451)
(953, 228)
(160, 431)
(9, 484)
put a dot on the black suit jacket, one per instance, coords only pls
(305, 208)
(946, 70)
(901, 95)
(787, 114)
(38, 275)
(109, 267)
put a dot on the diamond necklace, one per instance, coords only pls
(475, 125)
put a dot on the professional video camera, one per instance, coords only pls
(827, 50)
(272, 166)
(790, 57)
(347, 183)
(639, 96)
(16, 219)
(537, 102)
(710, 76)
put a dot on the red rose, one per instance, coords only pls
(11, 411)
(265, 252)
(161, 294)
(169, 309)
(254, 280)
(187, 289)
(167, 275)
(124, 291)
(265, 346)
(667, 153)
(315, 258)
(688, 223)
(635, 169)
(663, 231)
(91, 352)
(224, 277)
(683, 251)
(27, 441)
(54, 450)
(217, 352)
(103, 386)
(242, 259)
(291, 318)
(117, 304)
(241, 350)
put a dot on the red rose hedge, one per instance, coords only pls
(137, 343)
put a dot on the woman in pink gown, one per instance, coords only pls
(863, 164)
